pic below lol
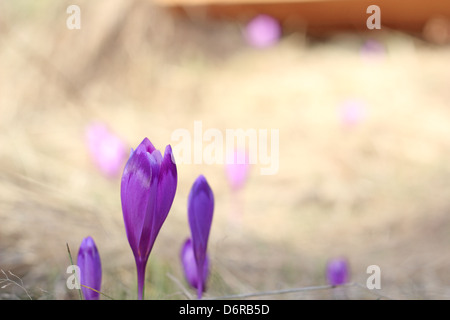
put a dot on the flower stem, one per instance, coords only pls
(200, 281)
(140, 266)
(199, 291)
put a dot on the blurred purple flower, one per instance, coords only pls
(148, 187)
(372, 51)
(90, 269)
(337, 271)
(106, 149)
(262, 31)
(190, 266)
(352, 112)
(237, 168)
(200, 214)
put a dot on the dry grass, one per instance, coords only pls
(378, 193)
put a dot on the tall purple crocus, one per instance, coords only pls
(149, 183)
(90, 269)
(337, 271)
(200, 214)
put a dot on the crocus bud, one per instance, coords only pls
(200, 214)
(190, 266)
(107, 150)
(262, 31)
(148, 187)
(237, 168)
(372, 51)
(337, 271)
(90, 269)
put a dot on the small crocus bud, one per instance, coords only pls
(337, 271)
(237, 169)
(200, 214)
(90, 269)
(190, 266)
(262, 31)
(107, 150)
(148, 187)
(373, 51)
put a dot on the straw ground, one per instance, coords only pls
(377, 193)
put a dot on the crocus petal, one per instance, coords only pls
(167, 186)
(136, 181)
(147, 238)
(337, 271)
(190, 265)
(90, 268)
(147, 145)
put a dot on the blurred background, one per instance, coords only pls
(364, 141)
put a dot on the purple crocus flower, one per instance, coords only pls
(337, 271)
(352, 112)
(262, 31)
(372, 51)
(90, 269)
(200, 214)
(107, 150)
(190, 266)
(148, 187)
(237, 169)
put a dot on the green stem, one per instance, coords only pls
(71, 262)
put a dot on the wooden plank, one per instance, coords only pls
(409, 15)
(225, 2)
